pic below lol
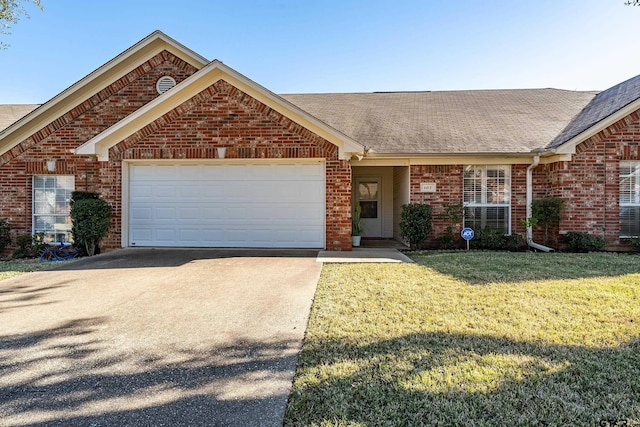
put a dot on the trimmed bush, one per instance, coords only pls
(5, 234)
(415, 223)
(24, 248)
(547, 213)
(81, 195)
(452, 213)
(583, 242)
(495, 240)
(634, 243)
(91, 218)
(29, 246)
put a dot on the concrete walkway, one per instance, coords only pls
(363, 255)
(142, 337)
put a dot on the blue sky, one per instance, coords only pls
(302, 46)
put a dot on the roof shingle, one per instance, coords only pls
(477, 121)
(601, 106)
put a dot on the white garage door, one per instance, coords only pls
(227, 205)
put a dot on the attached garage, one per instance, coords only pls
(231, 204)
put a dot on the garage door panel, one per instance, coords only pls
(165, 213)
(141, 214)
(270, 205)
(165, 234)
(187, 213)
(141, 234)
(164, 191)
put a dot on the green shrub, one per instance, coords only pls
(635, 243)
(583, 242)
(449, 241)
(90, 219)
(453, 215)
(415, 223)
(29, 246)
(487, 238)
(24, 248)
(513, 242)
(495, 240)
(547, 212)
(5, 234)
(81, 195)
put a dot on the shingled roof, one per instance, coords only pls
(603, 105)
(480, 121)
(474, 121)
(13, 112)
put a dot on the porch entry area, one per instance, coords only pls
(380, 191)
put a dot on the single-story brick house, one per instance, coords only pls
(192, 153)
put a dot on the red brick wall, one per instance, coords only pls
(223, 116)
(589, 183)
(448, 179)
(54, 141)
(449, 182)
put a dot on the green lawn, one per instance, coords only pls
(473, 339)
(17, 267)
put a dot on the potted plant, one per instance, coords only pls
(356, 226)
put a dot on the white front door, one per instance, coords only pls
(368, 192)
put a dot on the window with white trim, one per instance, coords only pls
(487, 197)
(629, 199)
(51, 206)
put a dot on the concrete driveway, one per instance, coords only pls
(155, 338)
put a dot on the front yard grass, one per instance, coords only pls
(473, 339)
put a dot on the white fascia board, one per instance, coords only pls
(94, 82)
(444, 159)
(216, 70)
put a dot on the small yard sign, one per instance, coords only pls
(467, 234)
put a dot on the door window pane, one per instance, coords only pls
(368, 191)
(369, 209)
(368, 198)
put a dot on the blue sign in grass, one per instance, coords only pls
(467, 233)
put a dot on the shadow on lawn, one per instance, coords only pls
(481, 267)
(561, 385)
(69, 376)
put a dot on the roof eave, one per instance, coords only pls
(451, 158)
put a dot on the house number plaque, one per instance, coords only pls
(427, 187)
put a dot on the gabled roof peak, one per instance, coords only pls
(95, 81)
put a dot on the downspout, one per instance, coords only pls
(530, 242)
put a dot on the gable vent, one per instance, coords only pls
(165, 83)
